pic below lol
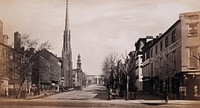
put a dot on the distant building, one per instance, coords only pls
(46, 72)
(94, 79)
(138, 61)
(171, 61)
(79, 79)
(146, 56)
(138, 71)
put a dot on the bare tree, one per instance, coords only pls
(108, 67)
(109, 63)
(24, 67)
(28, 43)
(126, 68)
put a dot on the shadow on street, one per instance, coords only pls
(102, 94)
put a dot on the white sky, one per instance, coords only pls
(98, 27)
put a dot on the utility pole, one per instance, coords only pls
(127, 86)
(127, 76)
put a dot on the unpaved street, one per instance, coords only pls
(91, 92)
(93, 96)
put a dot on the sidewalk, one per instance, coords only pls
(42, 95)
(144, 98)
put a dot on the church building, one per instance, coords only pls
(67, 54)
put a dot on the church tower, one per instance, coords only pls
(67, 53)
(79, 62)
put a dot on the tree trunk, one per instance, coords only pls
(127, 86)
(20, 90)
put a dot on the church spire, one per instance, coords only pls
(66, 37)
(66, 17)
(67, 52)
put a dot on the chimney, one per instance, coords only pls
(160, 34)
(32, 50)
(5, 39)
(157, 36)
(149, 38)
(17, 41)
(1, 32)
(22, 49)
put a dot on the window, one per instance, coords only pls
(4, 53)
(5, 68)
(161, 62)
(156, 64)
(173, 36)
(151, 53)
(151, 69)
(156, 51)
(194, 17)
(156, 68)
(166, 41)
(10, 55)
(167, 64)
(192, 29)
(193, 52)
(147, 54)
(15, 73)
(161, 45)
(174, 62)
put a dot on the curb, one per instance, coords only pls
(40, 96)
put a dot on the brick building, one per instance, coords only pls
(9, 59)
(171, 61)
(46, 72)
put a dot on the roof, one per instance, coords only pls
(7, 46)
(157, 39)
